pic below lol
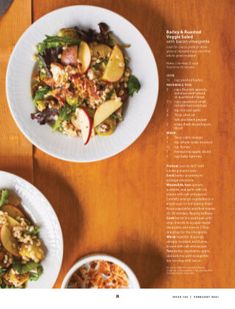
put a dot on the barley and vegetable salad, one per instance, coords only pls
(21, 250)
(82, 82)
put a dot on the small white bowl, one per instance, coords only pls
(133, 281)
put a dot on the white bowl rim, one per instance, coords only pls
(61, 157)
(91, 257)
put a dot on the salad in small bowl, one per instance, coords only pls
(82, 82)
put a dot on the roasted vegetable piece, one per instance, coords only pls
(107, 127)
(25, 268)
(100, 50)
(71, 33)
(35, 273)
(32, 252)
(17, 279)
(72, 100)
(41, 105)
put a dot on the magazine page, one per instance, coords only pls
(117, 152)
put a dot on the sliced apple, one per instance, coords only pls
(105, 110)
(83, 122)
(13, 211)
(84, 56)
(115, 66)
(70, 55)
(12, 222)
(8, 241)
(101, 50)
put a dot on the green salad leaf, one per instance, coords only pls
(43, 68)
(133, 85)
(4, 197)
(40, 62)
(34, 269)
(35, 274)
(73, 100)
(24, 268)
(65, 114)
(34, 231)
(41, 92)
(2, 271)
(56, 41)
(109, 95)
(117, 117)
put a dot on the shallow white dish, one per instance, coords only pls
(140, 107)
(133, 281)
(42, 213)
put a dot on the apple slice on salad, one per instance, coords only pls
(101, 50)
(84, 56)
(12, 222)
(8, 241)
(105, 110)
(115, 66)
(13, 211)
(83, 122)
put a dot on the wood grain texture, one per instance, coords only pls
(113, 206)
(117, 206)
(15, 150)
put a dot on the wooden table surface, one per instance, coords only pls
(117, 206)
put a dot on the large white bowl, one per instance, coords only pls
(133, 281)
(42, 213)
(140, 107)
